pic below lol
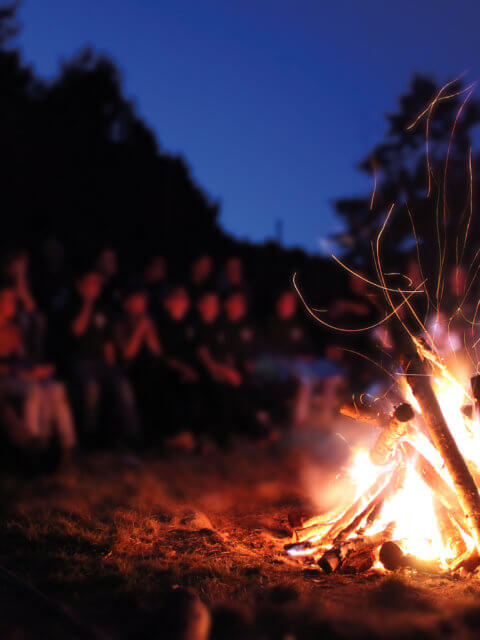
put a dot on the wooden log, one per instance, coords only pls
(468, 561)
(393, 558)
(358, 561)
(392, 487)
(327, 537)
(449, 532)
(437, 484)
(332, 559)
(383, 448)
(373, 509)
(417, 376)
(475, 386)
(367, 413)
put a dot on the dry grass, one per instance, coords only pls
(110, 540)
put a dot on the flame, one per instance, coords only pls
(411, 508)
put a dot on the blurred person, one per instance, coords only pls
(34, 405)
(287, 331)
(283, 361)
(136, 333)
(92, 362)
(240, 331)
(233, 277)
(211, 341)
(31, 319)
(201, 275)
(217, 377)
(107, 266)
(178, 333)
(185, 404)
(155, 275)
(140, 351)
(241, 344)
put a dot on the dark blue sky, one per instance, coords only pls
(271, 102)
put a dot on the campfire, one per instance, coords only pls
(417, 501)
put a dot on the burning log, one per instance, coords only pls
(451, 536)
(437, 484)
(383, 449)
(475, 386)
(358, 562)
(468, 561)
(350, 514)
(366, 413)
(393, 558)
(337, 555)
(418, 380)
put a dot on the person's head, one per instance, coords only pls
(107, 262)
(202, 268)
(208, 306)
(234, 271)
(235, 306)
(135, 303)
(177, 302)
(286, 305)
(16, 262)
(89, 285)
(8, 301)
(156, 270)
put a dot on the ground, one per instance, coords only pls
(110, 545)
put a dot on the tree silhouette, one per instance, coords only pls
(429, 180)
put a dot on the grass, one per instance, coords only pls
(112, 541)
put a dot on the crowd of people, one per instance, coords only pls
(96, 354)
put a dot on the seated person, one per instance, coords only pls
(34, 406)
(240, 332)
(240, 349)
(178, 334)
(287, 361)
(201, 276)
(210, 342)
(31, 319)
(155, 275)
(140, 351)
(185, 406)
(91, 360)
(232, 277)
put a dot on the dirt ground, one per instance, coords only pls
(110, 547)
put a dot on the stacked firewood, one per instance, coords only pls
(344, 544)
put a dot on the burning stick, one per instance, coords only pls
(475, 384)
(396, 429)
(419, 381)
(468, 561)
(449, 532)
(334, 557)
(350, 514)
(366, 413)
(437, 484)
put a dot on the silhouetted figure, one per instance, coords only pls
(34, 406)
(92, 361)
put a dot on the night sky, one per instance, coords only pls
(271, 102)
